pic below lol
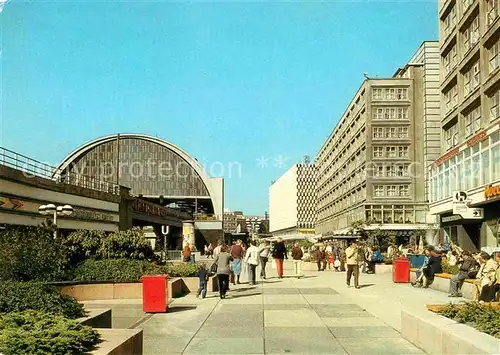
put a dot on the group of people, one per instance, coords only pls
(482, 267)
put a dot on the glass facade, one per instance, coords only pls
(472, 167)
(148, 168)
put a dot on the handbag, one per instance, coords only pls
(213, 268)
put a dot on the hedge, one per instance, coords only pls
(33, 332)
(126, 270)
(482, 317)
(19, 296)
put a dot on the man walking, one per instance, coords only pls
(297, 255)
(352, 262)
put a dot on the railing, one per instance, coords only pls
(174, 254)
(33, 168)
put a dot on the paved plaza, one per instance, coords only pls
(314, 315)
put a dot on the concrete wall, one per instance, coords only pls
(283, 201)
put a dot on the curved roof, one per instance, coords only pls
(82, 150)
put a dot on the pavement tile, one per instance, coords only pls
(285, 307)
(302, 346)
(292, 318)
(244, 330)
(161, 344)
(254, 319)
(364, 332)
(280, 291)
(341, 311)
(327, 299)
(396, 346)
(353, 322)
(284, 299)
(242, 299)
(317, 291)
(230, 346)
(319, 331)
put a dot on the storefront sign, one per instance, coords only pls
(481, 136)
(454, 218)
(492, 191)
(447, 156)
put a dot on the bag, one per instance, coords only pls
(336, 263)
(472, 273)
(213, 268)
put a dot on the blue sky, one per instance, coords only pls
(227, 82)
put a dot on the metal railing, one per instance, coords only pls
(174, 254)
(34, 168)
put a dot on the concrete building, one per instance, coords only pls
(292, 201)
(372, 166)
(469, 166)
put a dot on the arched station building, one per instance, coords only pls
(157, 171)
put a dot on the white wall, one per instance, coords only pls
(283, 201)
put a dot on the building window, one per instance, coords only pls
(451, 99)
(402, 170)
(402, 132)
(467, 4)
(403, 152)
(473, 122)
(378, 132)
(391, 152)
(471, 79)
(391, 171)
(494, 106)
(392, 132)
(392, 190)
(493, 56)
(402, 113)
(378, 114)
(379, 171)
(450, 60)
(378, 152)
(451, 137)
(377, 94)
(450, 21)
(390, 113)
(402, 94)
(378, 190)
(471, 35)
(390, 94)
(404, 190)
(492, 10)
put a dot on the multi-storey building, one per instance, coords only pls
(470, 161)
(372, 166)
(292, 202)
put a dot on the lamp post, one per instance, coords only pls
(253, 225)
(55, 211)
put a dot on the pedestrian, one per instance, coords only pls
(279, 253)
(186, 253)
(467, 265)
(352, 257)
(297, 255)
(252, 259)
(331, 260)
(203, 275)
(222, 261)
(486, 275)
(320, 257)
(217, 249)
(265, 251)
(489, 291)
(237, 254)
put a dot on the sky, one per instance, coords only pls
(248, 88)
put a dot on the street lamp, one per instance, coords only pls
(55, 211)
(253, 225)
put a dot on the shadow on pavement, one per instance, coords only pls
(175, 309)
(230, 295)
(366, 285)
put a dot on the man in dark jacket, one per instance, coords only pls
(467, 265)
(297, 255)
(434, 267)
(320, 256)
(279, 254)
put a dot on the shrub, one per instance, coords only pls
(40, 333)
(20, 296)
(449, 269)
(131, 244)
(126, 270)
(482, 317)
(30, 253)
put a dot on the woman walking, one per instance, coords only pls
(264, 252)
(279, 254)
(252, 260)
(223, 260)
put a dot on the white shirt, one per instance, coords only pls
(252, 255)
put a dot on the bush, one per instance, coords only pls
(30, 253)
(20, 296)
(482, 317)
(131, 244)
(126, 270)
(449, 269)
(33, 332)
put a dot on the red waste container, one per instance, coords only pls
(401, 270)
(154, 293)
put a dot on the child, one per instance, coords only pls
(204, 276)
(331, 259)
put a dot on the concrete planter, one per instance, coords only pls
(97, 318)
(442, 283)
(383, 269)
(436, 334)
(119, 342)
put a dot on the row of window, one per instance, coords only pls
(471, 123)
(390, 132)
(395, 214)
(391, 190)
(391, 171)
(390, 94)
(472, 168)
(391, 152)
(390, 113)
(450, 21)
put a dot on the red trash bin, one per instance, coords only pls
(154, 293)
(401, 270)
